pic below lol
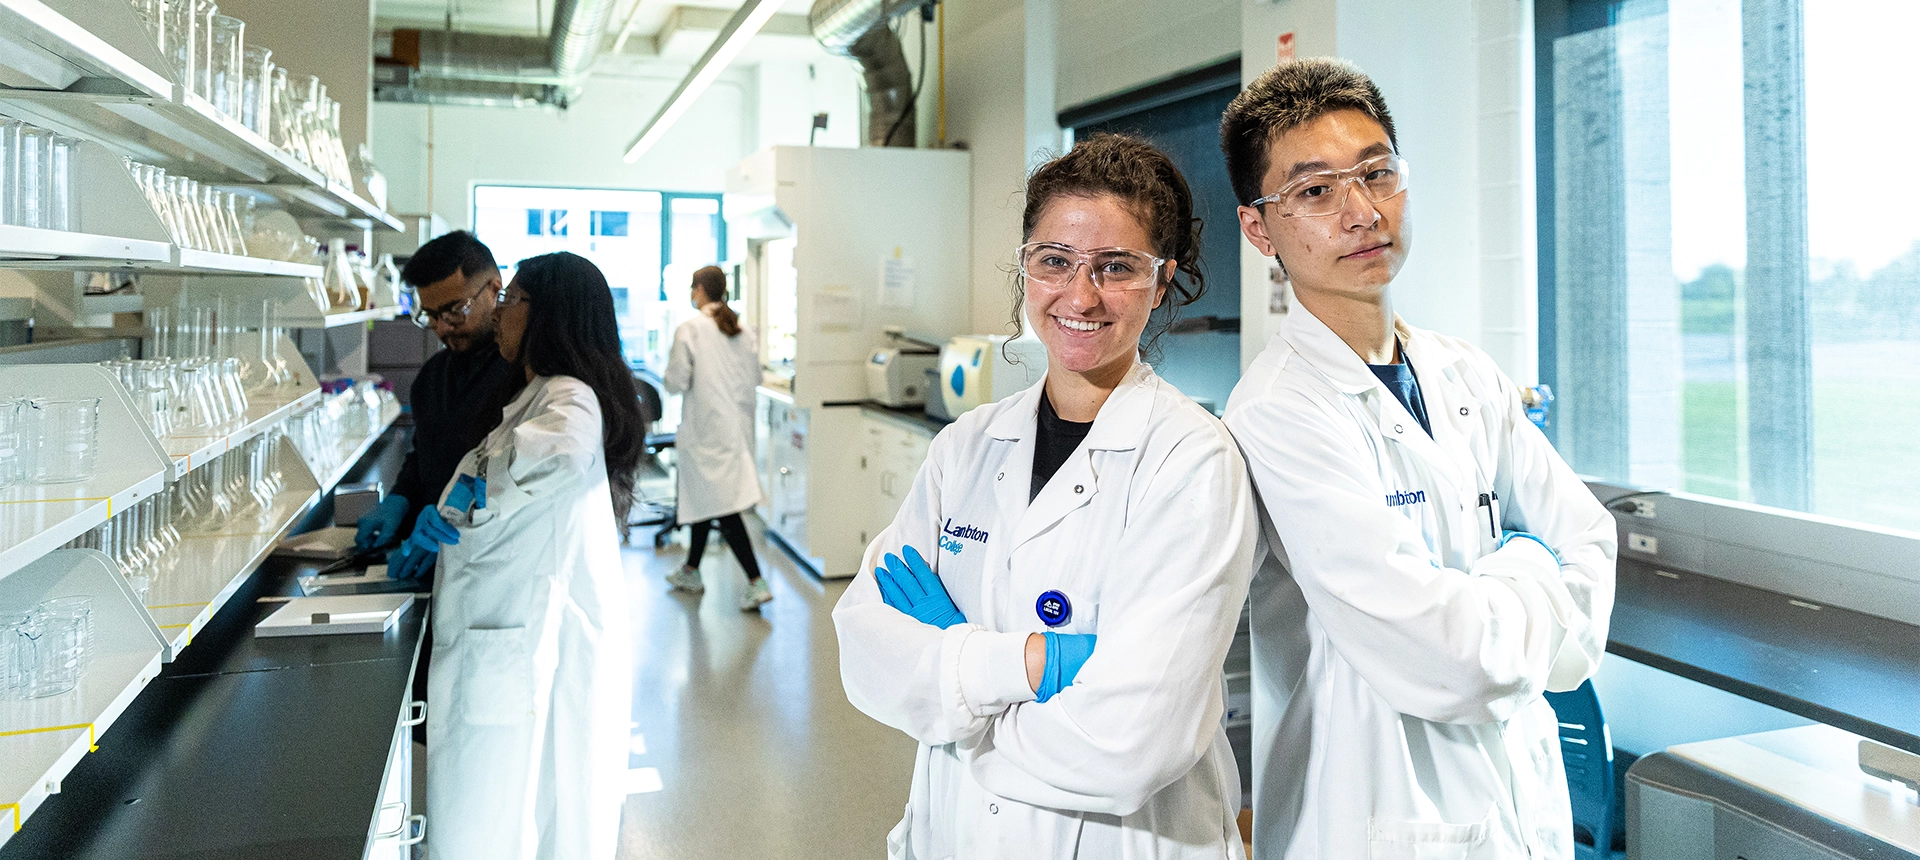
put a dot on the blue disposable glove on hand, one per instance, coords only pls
(1066, 653)
(468, 493)
(381, 524)
(911, 586)
(1512, 535)
(409, 562)
(430, 531)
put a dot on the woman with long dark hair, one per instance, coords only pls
(528, 733)
(714, 367)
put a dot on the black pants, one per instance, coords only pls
(735, 531)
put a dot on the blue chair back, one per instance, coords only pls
(1587, 750)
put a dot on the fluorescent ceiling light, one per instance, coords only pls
(740, 29)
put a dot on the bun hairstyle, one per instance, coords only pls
(712, 284)
(1145, 179)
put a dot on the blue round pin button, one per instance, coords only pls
(1054, 608)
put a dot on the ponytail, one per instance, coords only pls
(726, 319)
(711, 281)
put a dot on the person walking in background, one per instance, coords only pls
(715, 365)
(528, 734)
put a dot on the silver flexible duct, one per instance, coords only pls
(858, 29)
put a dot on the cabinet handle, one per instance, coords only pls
(397, 831)
(416, 714)
(417, 823)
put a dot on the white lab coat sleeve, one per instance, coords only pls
(1437, 643)
(679, 375)
(938, 686)
(553, 446)
(1544, 497)
(1145, 707)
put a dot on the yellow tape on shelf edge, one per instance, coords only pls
(91, 746)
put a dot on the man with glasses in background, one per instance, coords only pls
(1433, 567)
(455, 401)
(456, 397)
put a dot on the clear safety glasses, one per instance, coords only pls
(1112, 269)
(1325, 192)
(453, 315)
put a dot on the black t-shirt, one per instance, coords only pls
(1399, 379)
(456, 402)
(1053, 442)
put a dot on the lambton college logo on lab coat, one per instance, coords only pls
(951, 536)
(1397, 500)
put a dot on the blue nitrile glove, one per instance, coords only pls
(1066, 653)
(1511, 535)
(430, 531)
(912, 587)
(380, 524)
(409, 562)
(468, 493)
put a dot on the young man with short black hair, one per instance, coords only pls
(1434, 566)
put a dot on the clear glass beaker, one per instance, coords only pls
(10, 131)
(225, 56)
(256, 88)
(12, 442)
(75, 606)
(62, 209)
(183, 40)
(204, 11)
(66, 437)
(36, 176)
(56, 646)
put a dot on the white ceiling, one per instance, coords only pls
(658, 27)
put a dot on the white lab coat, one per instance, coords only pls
(1149, 530)
(1399, 659)
(528, 702)
(717, 375)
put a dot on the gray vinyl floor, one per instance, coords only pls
(744, 745)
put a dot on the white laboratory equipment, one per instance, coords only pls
(1813, 792)
(978, 369)
(842, 246)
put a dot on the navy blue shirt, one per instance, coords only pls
(1399, 379)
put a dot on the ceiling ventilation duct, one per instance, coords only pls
(451, 67)
(858, 29)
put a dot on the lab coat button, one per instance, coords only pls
(1463, 410)
(1399, 429)
(999, 476)
(993, 809)
(1079, 488)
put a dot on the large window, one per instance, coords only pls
(1730, 250)
(647, 242)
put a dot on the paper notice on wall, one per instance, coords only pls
(836, 310)
(1285, 52)
(897, 281)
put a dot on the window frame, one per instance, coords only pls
(1860, 566)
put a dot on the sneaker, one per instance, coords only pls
(686, 579)
(757, 594)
